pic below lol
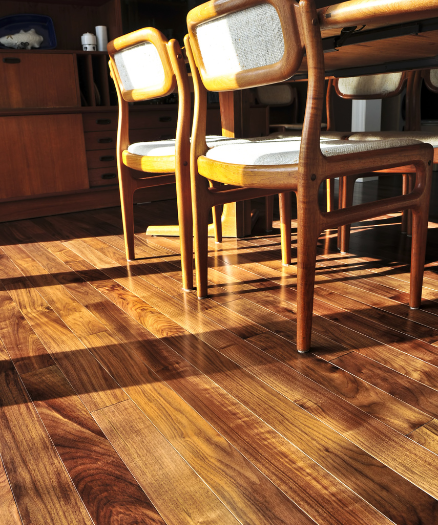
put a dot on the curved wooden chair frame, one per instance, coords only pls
(346, 185)
(136, 171)
(305, 177)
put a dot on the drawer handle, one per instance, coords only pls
(107, 176)
(103, 121)
(11, 60)
(106, 140)
(107, 158)
(165, 119)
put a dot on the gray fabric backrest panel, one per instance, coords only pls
(434, 77)
(240, 41)
(275, 95)
(370, 85)
(140, 67)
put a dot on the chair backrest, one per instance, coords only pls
(240, 44)
(370, 86)
(141, 65)
(276, 95)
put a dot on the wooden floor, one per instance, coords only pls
(125, 400)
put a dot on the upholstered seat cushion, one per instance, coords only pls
(286, 151)
(164, 148)
(422, 136)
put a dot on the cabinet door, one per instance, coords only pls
(32, 80)
(42, 154)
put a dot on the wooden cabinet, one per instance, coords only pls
(41, 154)
(38, 80)
(58, 112)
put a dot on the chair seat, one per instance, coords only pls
(277, 152)
(165, 148)
(422, 136)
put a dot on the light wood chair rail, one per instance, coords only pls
(143, 171)
(300, 29)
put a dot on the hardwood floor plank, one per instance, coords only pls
(23, 345)
(173, 486)
(78, 318)
(234, 290)
(331, 465)
(107, 488)
(395, 384)
(224, 470)
(42, 489)
(8, 509)
(93, 384)
(310, 498)
(208, 330)
(427, 436)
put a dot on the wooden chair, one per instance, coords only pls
(145, 65)
(238, 44)
(368, 87)
(412, 130)
(282, 95)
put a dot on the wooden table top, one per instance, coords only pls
(378, 36)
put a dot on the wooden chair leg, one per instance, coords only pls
(127, 204)
(307, 238)
(217, 215)
(185, 220)
(285, 228)
(405, 191)
(200, 215)
(217, 223)
(411, 184)
(330, 189)
(269, 213)
(346, 200)
(418, 254)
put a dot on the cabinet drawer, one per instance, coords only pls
(100, 140)
(103, 177)
(101, 158)
(100, 121)
(38, 80)
(107, 140)
(164, 118)
(137, 120)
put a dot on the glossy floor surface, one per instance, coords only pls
(124, 400)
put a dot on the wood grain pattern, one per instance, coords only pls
(96, 387)
(41, 487)
(173, 485)
(8, 510)
(105, 485)
(221, 467)
(345, 435)
(208, 333)
(427, 436)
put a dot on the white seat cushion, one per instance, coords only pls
(422, 136)
(286, 151)
(164, 148)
